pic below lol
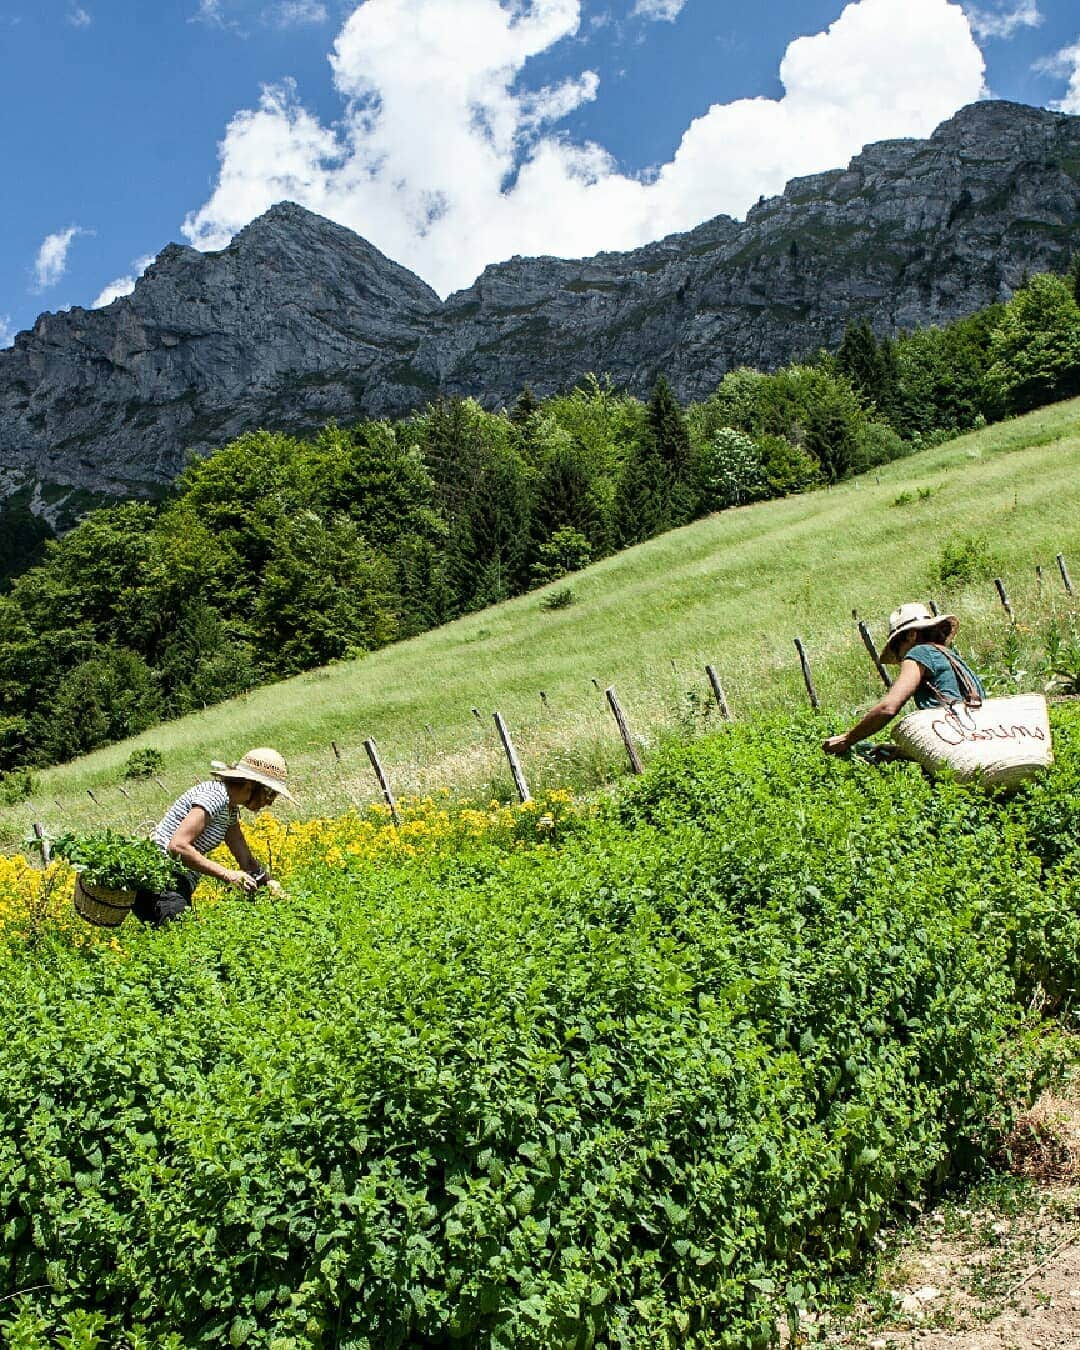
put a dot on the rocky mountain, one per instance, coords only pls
(299, 320)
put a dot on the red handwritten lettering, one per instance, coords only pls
(950, 731)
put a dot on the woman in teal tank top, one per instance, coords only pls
(928, 675)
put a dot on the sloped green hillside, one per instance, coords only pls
(732, 590)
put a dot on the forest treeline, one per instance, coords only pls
(278, 554)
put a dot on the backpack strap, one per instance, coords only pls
(969, 689)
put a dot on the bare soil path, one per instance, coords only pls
(1000, 1271)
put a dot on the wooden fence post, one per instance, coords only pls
(807, 677)
(46, 847)
(373, 755)
(512, 757)
(999, 586)
(92, 797)
(1039, 581)
(868, 643)
(337, 752)
(1064, 574)
(624, 730)
(718, 692)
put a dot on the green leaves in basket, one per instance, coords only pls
(106, 858)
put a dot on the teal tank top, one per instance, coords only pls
(938, 671)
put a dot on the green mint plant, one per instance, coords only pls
(106, 858)
(659, 1084)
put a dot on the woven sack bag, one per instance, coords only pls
(101, 905)
(999, 740)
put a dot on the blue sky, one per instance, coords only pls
(453, 133)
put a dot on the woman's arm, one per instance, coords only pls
(238, 847)
(182, 847)
(882, 713)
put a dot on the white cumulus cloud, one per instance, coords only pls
(444, 161)
(1003, 23)
(7, 333)
(1065, 62)
(659, 9)
(123, 285)
(51, 261)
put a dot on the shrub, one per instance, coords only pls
(729, 471)
(927, 440)
(566, 551)
(105, 698)
(1063, 659)
(906, 497)
(560, 599)
(877, 444)
(143, 763)
(787, 467)
(964, 560)
(16, 786)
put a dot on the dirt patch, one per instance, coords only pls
(998, 1272)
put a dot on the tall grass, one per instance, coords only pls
(731, 590)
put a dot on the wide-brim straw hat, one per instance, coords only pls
(914, 617)
(262, 765)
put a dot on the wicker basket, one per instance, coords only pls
(100, 905)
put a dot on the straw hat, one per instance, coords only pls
(263, 766)
(914, 617)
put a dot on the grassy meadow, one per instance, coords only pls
(732, 590)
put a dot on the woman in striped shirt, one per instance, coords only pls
(204, 817)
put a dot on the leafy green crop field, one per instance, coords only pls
(732, 590)
(647, 1084)
(652, 1075)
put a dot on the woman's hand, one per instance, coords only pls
(881, 714)
(243, 880)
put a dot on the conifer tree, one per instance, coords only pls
(859, 359)
(830, 434)
(526, 404)
(655, 490)
(670, 434)
(564, 495)
(888, 401)
(638, 511)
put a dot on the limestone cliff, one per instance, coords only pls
(300, 320)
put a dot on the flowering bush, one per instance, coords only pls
(32, 898)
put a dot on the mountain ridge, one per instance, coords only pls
(300, 320)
